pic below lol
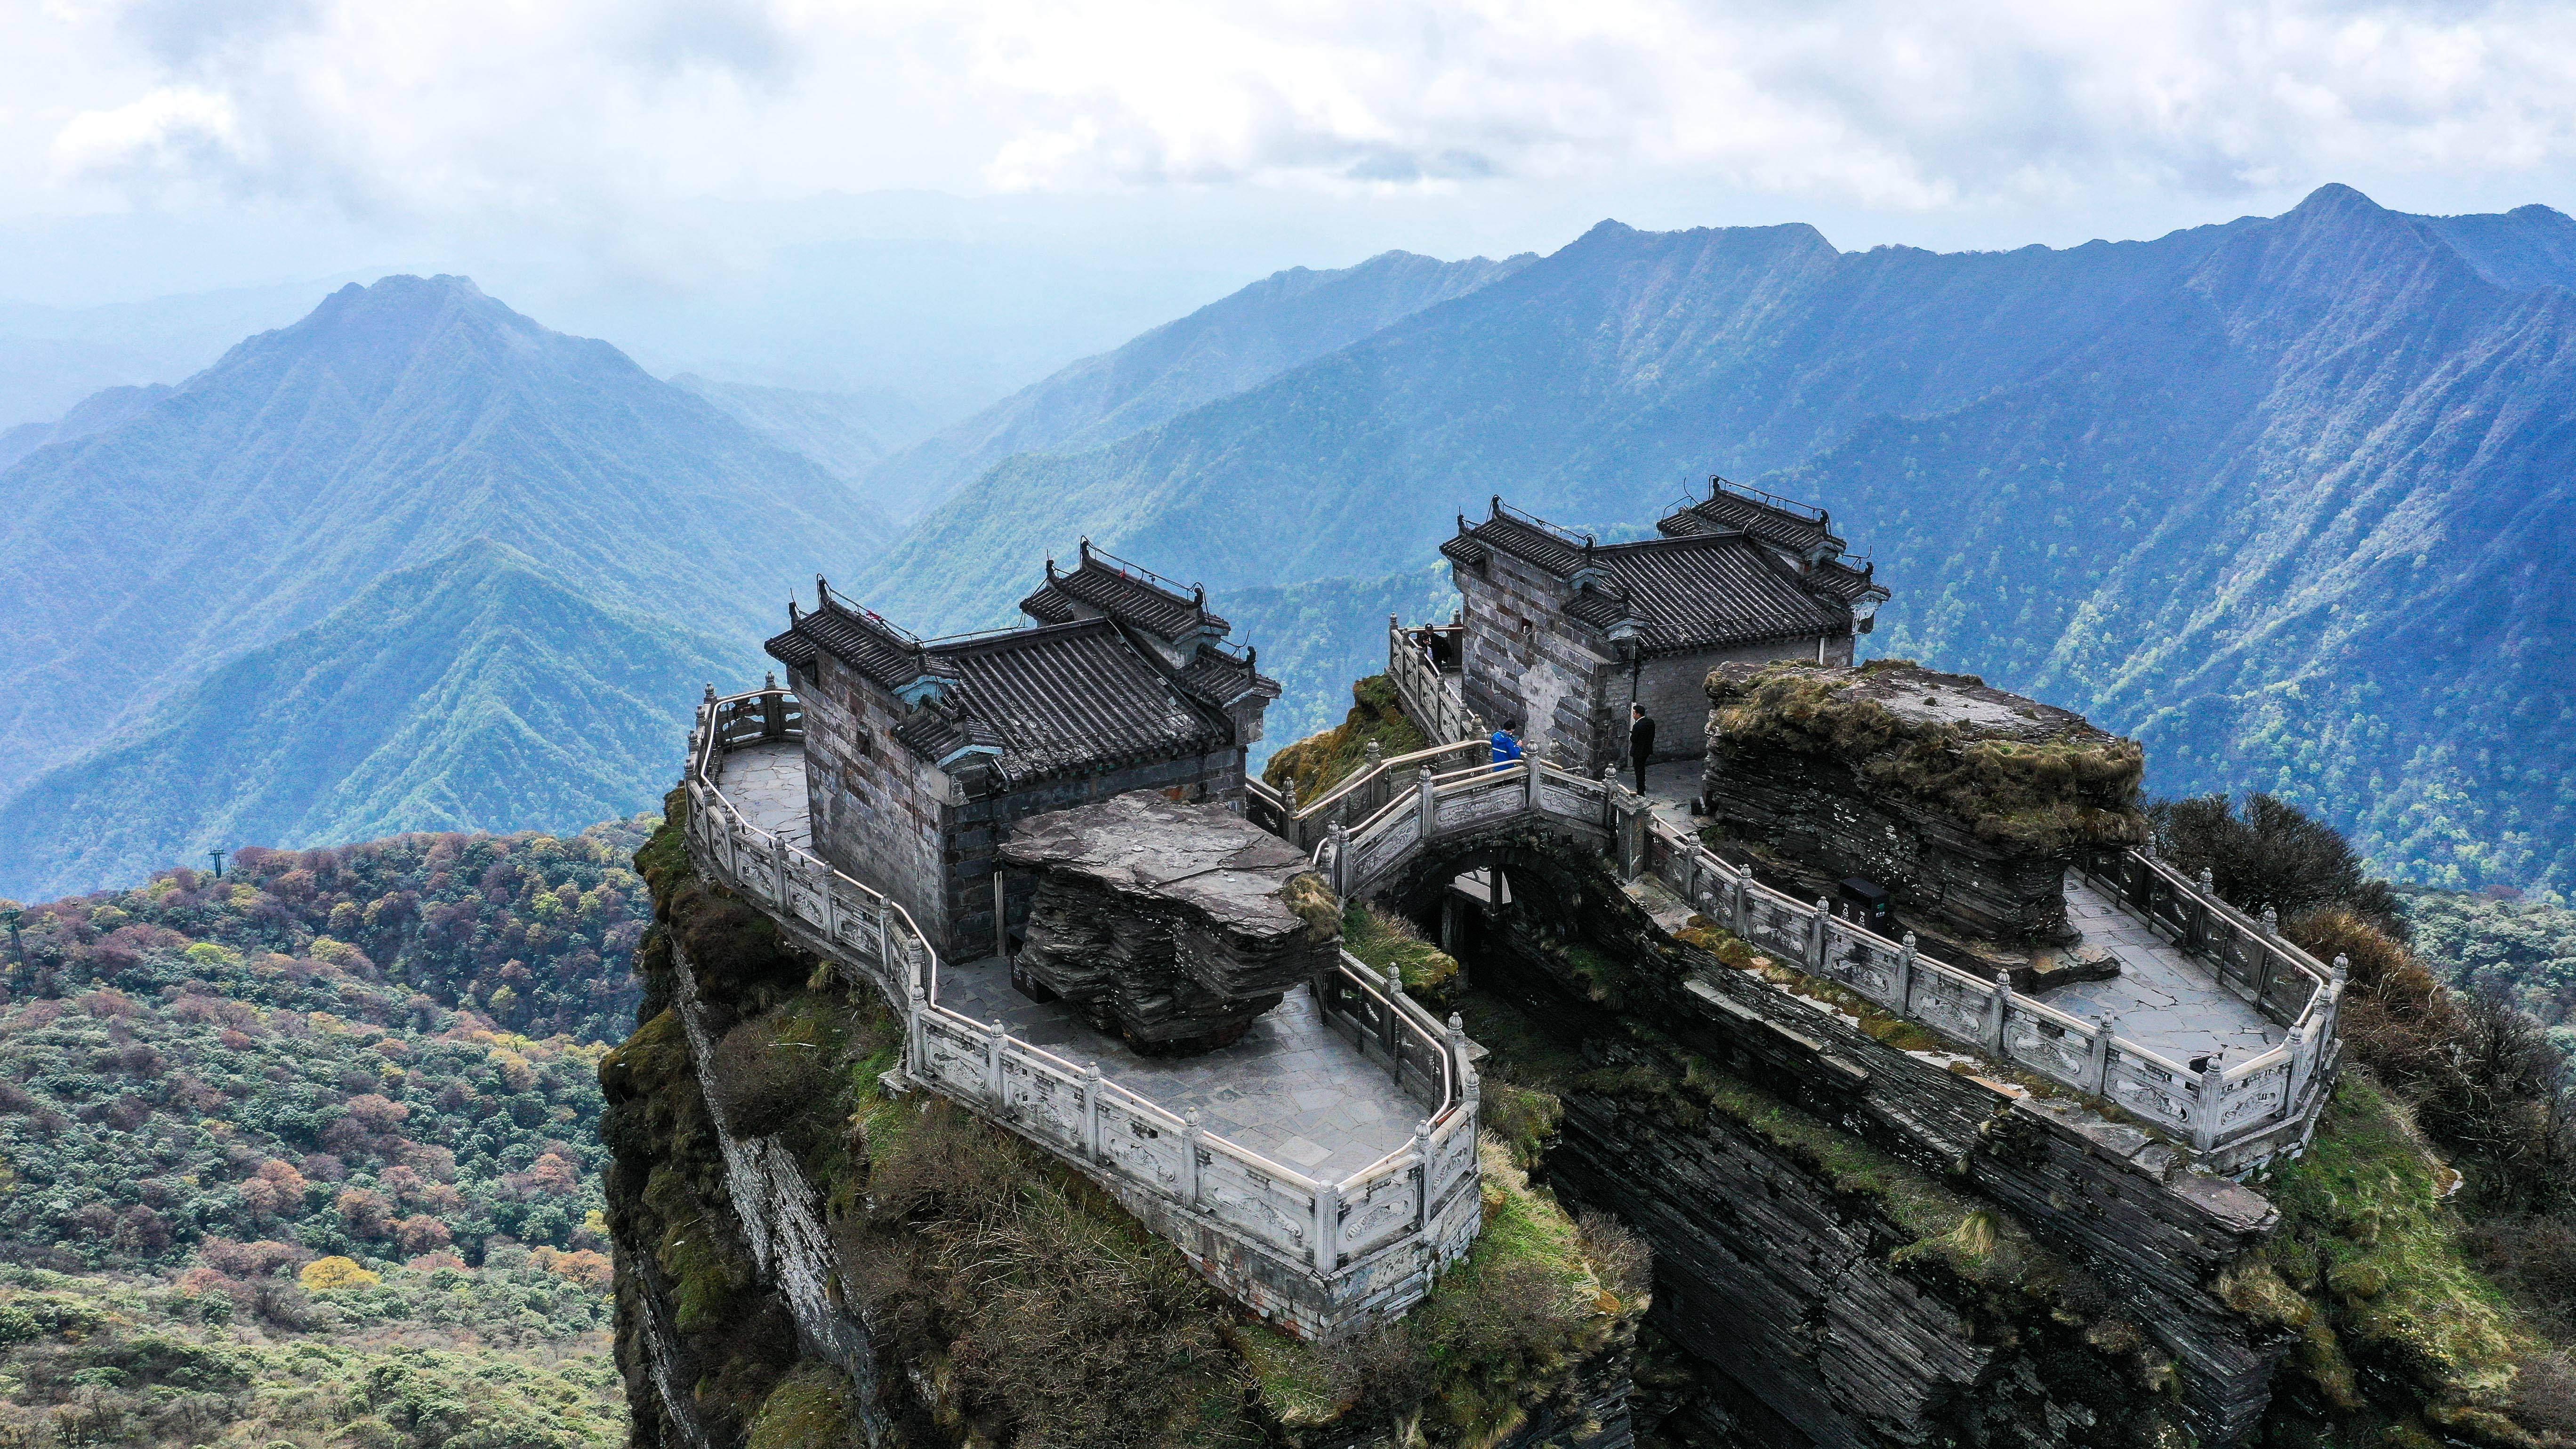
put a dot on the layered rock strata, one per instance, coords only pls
(1967, 804)
(1174, 926)
(1766, 1145)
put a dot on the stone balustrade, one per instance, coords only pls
(2231, 1114)
(1319, 1257)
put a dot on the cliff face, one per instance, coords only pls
(812, 1253)
(1857, 1246)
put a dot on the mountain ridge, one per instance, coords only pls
(387, 428)
(522, 705)
(2080, 469)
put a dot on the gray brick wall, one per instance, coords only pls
(889, 818)
(875, 806)
(1567, 682)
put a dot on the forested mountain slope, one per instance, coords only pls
(2287, 497)
(475, 691)
(844, 433)
(309, 1153)
(392, 426)
(1230, 345)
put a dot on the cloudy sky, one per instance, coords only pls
(586, 149)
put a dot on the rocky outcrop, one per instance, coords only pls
(1965, 803)
(1856, 1245)
(814, 1251)
(1171, 925)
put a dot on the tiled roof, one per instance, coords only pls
(1050, 699)
(1838, 579)
(1726, 511)
(867, 644)
(1220, 679)
(1540, 544)
(1065, 697)
(1139, 603)
(1699, 593)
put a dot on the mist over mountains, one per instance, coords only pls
(2287, 497)
(392, 428)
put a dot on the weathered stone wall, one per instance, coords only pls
(876, 808)
(1566, 682)
(894, 820)
(1549, 677)
(1674, 689)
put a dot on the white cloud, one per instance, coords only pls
(621, 114)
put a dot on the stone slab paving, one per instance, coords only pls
(766, 782)
(1290, 1090)
(2162, 999)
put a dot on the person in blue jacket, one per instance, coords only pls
(1507, 748)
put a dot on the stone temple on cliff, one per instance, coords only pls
(1560, 633)
(921, 753)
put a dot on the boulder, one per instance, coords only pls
(1174, 926)
(1966, 803)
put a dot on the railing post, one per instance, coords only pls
(993, 1062)
(1393, 1037)
(2196, 933)
(1091, 1113)
(1327, 1210)
(1816, 928)
(1458, 1063)
(1531, 759)
(1998, 1011)
(1421, 1179)
(1190, 1161)
(2302, 1062)
(2204, 1113)
(1288, 815)
(1341, 859)
(2268, 954)
(1739, 907)
(773, 708)
(1905, 977)
(2097, 1066)
(916, 1038)
(1426, 804)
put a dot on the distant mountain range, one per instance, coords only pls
(476, 687)
(397, 428)
(1224, 348)
(846, 433)
(2288, 497)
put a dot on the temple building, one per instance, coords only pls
(920, 753)
(1562, 633)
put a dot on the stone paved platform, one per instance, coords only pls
(2162, 999)
(766, 782)
(1291, 1090)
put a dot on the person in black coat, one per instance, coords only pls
(1641, 742)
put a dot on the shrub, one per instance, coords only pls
(1319, 762)
(2272, 854)
(326, 1275)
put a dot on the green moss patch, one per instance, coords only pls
(1390, 942)
(2050, 784)
(1538, 1293)
(1318, 762)
(2372, 1275)
(809, 1409)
